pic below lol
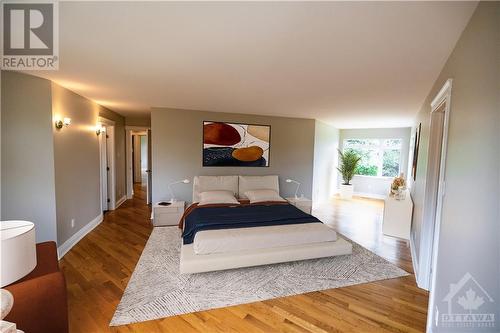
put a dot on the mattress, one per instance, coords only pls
(194, 263)
(254, 238)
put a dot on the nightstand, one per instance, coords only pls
(303, 204)
(167, 215)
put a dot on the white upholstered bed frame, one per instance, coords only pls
(191, 262)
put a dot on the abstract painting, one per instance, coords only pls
(231, 144)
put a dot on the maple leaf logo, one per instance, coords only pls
(471, 301)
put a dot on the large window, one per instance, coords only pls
(379, 157)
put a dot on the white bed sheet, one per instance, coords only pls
(242, 239)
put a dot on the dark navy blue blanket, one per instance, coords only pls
(212, 218)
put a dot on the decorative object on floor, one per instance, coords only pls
(348, 162)
(416, 146)
(298, 186)
(157, 289)
(231, 144)
(172, 195)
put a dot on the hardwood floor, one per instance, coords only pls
(98, 268)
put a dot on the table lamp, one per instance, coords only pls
(172, 196)
(298, 186)
(18, 259)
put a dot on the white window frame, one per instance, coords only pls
(381, 147)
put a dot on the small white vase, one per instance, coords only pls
(346, 191)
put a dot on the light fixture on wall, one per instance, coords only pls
(99, 129)
(295, 182)
(172, 198)
(59, 123)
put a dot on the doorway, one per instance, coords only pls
(434, 186)
(138, 163)
(107, 164)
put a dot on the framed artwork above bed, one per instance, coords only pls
(234, 144)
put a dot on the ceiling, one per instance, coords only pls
(352, 64)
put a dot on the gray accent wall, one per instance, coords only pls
(177, 140)
(27, 176)
(326, 142)
(470, 225)
(76, 160)
(51, 176)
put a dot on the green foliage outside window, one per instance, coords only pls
(379, 157)
(390, 163)
(364, 170)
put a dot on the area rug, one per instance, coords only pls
(157, 289)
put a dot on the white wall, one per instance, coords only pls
(470, 224)
(27, 175)
(377, 187)
(326, 142)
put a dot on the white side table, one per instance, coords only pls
(167, 215)
(397, 217)
(303, 204)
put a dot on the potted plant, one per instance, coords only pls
(348, 162)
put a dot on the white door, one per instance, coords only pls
(149, 171)
(103, 170)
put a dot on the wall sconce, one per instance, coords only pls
(64, 122)
(99, 129)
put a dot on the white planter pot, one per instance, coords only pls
(346, 191)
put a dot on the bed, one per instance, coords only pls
(225, 236)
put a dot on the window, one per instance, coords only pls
(379, 157)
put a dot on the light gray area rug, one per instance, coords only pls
(157, 289)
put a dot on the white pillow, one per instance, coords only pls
(263, 195)
(217, 197)
(248, 183)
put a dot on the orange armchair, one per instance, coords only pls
(40, 300)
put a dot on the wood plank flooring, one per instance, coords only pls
(98, 268)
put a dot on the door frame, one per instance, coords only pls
(431, 228)
(110, 156)
(103, 177)
(129, 131)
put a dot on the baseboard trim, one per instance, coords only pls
(120, 201)
(73, 240)
(368, 195)
(414, 260)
